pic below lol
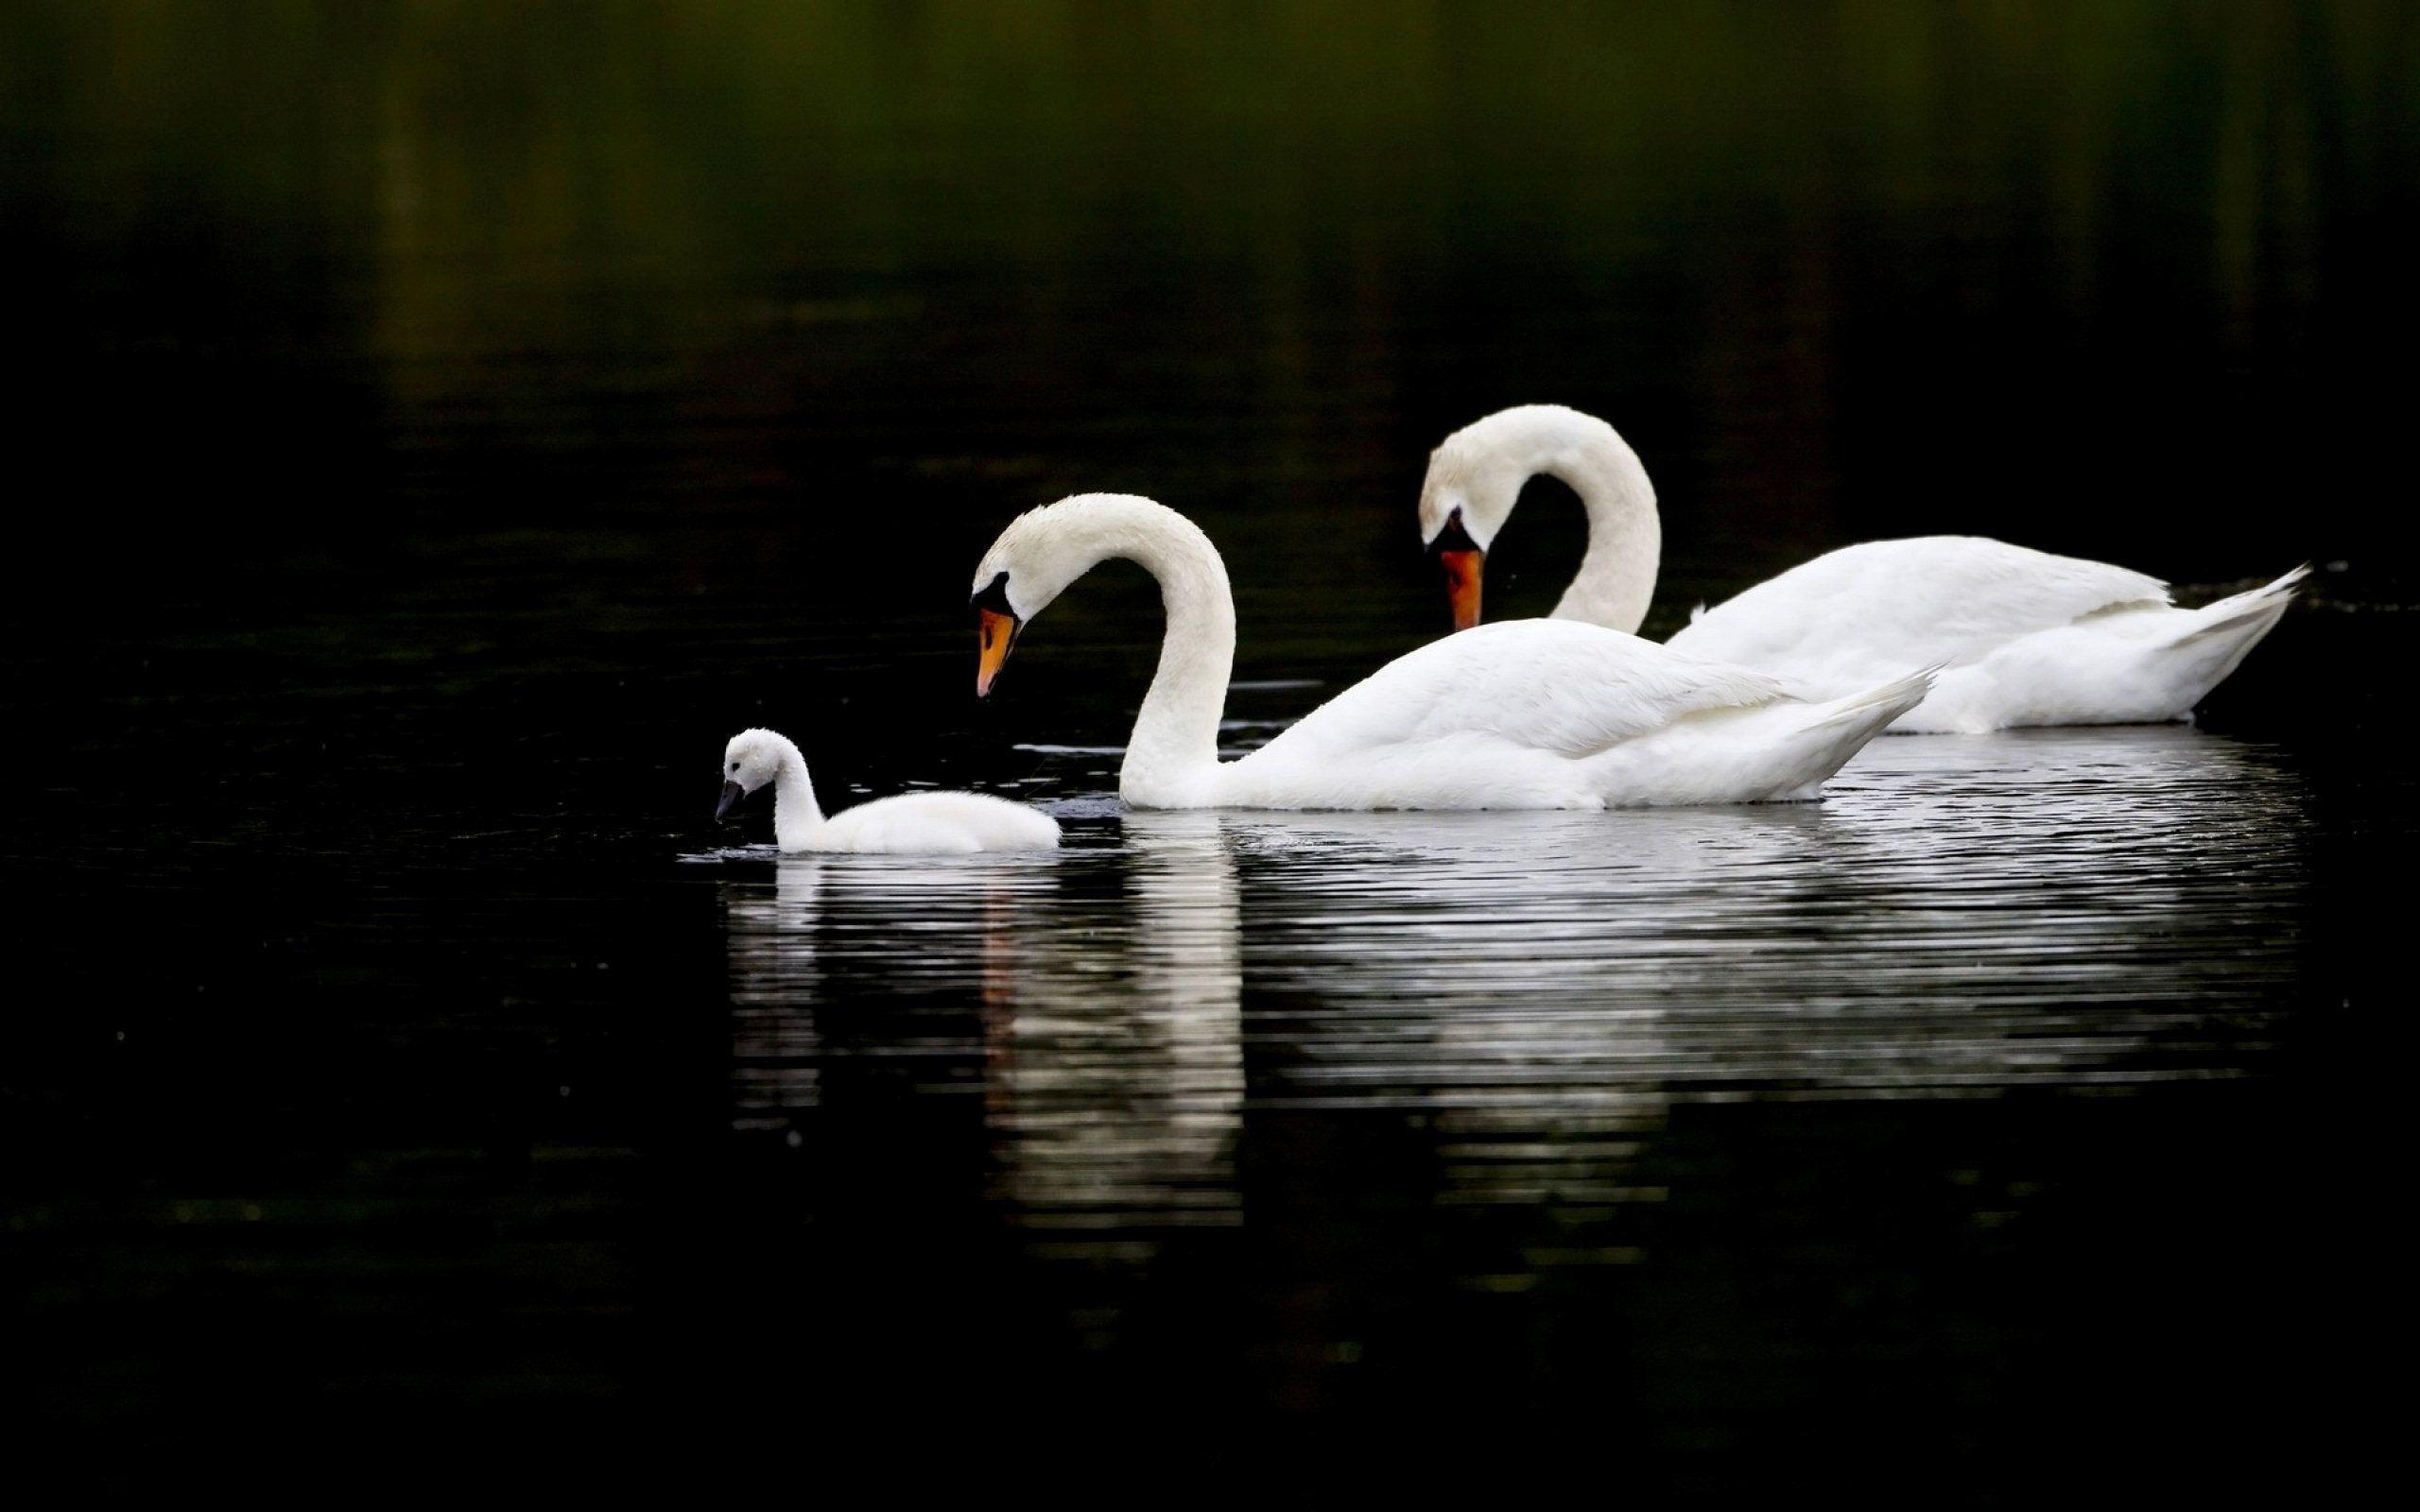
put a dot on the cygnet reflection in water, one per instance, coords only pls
(1111, 1050)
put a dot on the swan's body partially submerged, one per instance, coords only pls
(2026, 637)
(1530, 714)
(909, 824)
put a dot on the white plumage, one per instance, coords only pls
(911, 824)
(2023, 637)
(1532, 713)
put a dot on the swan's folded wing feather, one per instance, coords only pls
(1903, 603)
(1548, 685)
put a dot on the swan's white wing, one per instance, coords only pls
(1556, 686)
(1852, 614)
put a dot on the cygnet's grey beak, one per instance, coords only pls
(732, 792)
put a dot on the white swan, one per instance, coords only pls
(1529, 715)
(911, 824)
(2025, 638)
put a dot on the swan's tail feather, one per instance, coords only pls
(2208, 643)
(1876, 707)
(2257, 609)
(1839, 730)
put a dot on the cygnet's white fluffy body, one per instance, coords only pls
(911, 824)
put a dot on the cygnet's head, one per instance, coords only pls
(749, 763)
(1475, 477)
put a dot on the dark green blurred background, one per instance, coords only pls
(2130, 278)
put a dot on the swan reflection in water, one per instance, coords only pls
(2078, 909)
(1961, 914)
(1113, 1056)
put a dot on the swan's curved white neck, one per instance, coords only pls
(796, 815)
(1172, 758)
(1616, 578)
(1174, 749)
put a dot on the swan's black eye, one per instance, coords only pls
(735, 767)
(995, 597)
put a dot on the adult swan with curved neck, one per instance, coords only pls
(1528, 714)
(2022, 637)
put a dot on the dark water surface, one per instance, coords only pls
(448, 423)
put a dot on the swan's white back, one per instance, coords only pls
(1945, 597)
(2029, 638)
(1557, 714)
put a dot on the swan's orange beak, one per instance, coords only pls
(1461, 584)
(994, 632)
